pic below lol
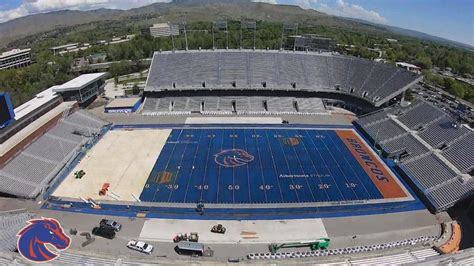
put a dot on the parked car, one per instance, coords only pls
(140, 246)
(111, 224)
(104, 232)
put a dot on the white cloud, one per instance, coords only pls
(273, 2)
(306, 4)
(29, 7)
(345, 9)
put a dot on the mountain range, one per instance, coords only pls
(196, 10)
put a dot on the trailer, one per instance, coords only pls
(322, 243)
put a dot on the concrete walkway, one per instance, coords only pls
(261, 231)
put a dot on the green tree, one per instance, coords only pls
(135, 89)
(424, 62)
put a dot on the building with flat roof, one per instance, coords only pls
(15, 58)
(69, 48)
(82, 88)
(164, 30)
(409, 67)
(29, 112)
(123, 105)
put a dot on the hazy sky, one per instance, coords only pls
(451, 19)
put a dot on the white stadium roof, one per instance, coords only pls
(31, 105)
(79, 82)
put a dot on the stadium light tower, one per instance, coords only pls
(288, 28)
(172, 35)
(245, 26)
(185, 35)
(220, 26)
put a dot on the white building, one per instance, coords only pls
(83, 88)
(409, 67)
(164, 29)
(15, 58)
(69, 48)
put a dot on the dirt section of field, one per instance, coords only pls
(123, 158)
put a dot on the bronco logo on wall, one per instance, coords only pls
(233, 158)
(39, 232)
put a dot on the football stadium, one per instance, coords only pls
(285, 150)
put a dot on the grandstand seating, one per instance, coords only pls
(405, 143)
(358, 73)
(290, 69)
(373, 118)
(208, 65)
(228, 104)
(442, 131)
(420, 115)
(398, 259)
(256, 105)
(10, 223)
(233, 68)
(460, 153)
(385, 130)
(443, 196)
(339, 67)
(318, 76)
(27, 174)
(439, 154)
(429, 170)
(282, 70)
(381, 73)
(398, 80)
(262, 69)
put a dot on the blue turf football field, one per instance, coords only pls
(257, 166)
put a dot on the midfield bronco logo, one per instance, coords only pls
(39, 232)
(233, 158)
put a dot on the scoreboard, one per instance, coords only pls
(7, 114)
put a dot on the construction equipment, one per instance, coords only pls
(104, 189)
(218, 229)
(192, 237)
(200, 207)
(79, 174)
(179, 237)
(322, 243)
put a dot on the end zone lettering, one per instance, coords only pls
(382, 178)
(374, 167)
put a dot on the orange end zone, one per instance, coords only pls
(373, 166)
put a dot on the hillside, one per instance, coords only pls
(178, 11)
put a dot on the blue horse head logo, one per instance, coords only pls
(34, 237)
(233, 158)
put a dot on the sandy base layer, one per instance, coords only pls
(123, 158)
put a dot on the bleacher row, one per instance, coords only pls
(30, 172)
(276, 70)
(228, 105)
(10, 223)
(342, 251)
(433, 149)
